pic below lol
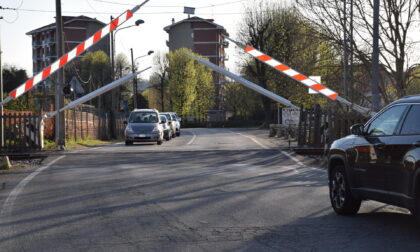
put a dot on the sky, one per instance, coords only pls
(32, 14)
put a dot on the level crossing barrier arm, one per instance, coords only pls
(245, 82)
(99, 35)
(286, 70)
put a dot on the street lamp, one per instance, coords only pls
(148, 53)
(113, 34)
(133, 68)
(114, 91)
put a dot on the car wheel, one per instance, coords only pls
(168, 137)
(173, 134)
(128, 143)
(341, 198)
(160, 141)
(178, 133)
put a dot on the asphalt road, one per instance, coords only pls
(208, 190)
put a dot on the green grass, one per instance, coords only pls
(72, 144)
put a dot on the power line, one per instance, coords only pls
(13, 9)
(143, 13)
(147, 6)
(169, 6)
(215, 5)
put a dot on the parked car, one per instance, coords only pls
(144, 125)
(167, 134)
(177, 121)
(171, 123)
(379, 161)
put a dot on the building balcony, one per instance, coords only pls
(36, 44)
(50, 55)
(48, 42)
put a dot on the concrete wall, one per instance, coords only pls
(181, 36)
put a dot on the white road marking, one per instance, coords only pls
(192, 139)
(8, 204)
(10, 201)
(297, 161)
(95, 148)
(255, 141)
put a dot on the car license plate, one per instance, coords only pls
(142, 135)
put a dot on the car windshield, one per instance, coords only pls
(173, 117)
(163, 118)
(167, 116)
(143, 117)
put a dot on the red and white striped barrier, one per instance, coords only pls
(73, 53)
(312, 84)
(291, 73)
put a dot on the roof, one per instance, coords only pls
(409, 99)
(66, 20)
(145, 110)
(191, 20)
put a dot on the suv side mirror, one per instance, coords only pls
(357, 129)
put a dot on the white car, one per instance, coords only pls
(177, 121)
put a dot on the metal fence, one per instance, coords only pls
(319, 128)
(21, 132)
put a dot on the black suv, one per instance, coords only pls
(379, 161)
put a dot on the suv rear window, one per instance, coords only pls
(143, 117)
(411, 124)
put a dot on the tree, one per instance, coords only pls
(185, 79)
(95, 67)
(396, 46)
(13, 77)
(205, 90)
(243, 102)
(159, 79)
(284, 34)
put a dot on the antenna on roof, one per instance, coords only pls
(189, 10)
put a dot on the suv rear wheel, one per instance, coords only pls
(341, 198)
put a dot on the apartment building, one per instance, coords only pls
(76, 30)
(204, 37)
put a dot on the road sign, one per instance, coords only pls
(290, 116)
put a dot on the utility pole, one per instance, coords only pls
(345, 51)
(133, 69)
(351, 70)
(114, 91)
(1, 96)
(59, 97)
(375, 58)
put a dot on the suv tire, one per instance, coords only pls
(160, 141)
(341, 198)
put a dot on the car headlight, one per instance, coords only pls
(129, 129)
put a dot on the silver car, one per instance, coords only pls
(167, 134)
(144, 125)
(171, 122)
(177, 121)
